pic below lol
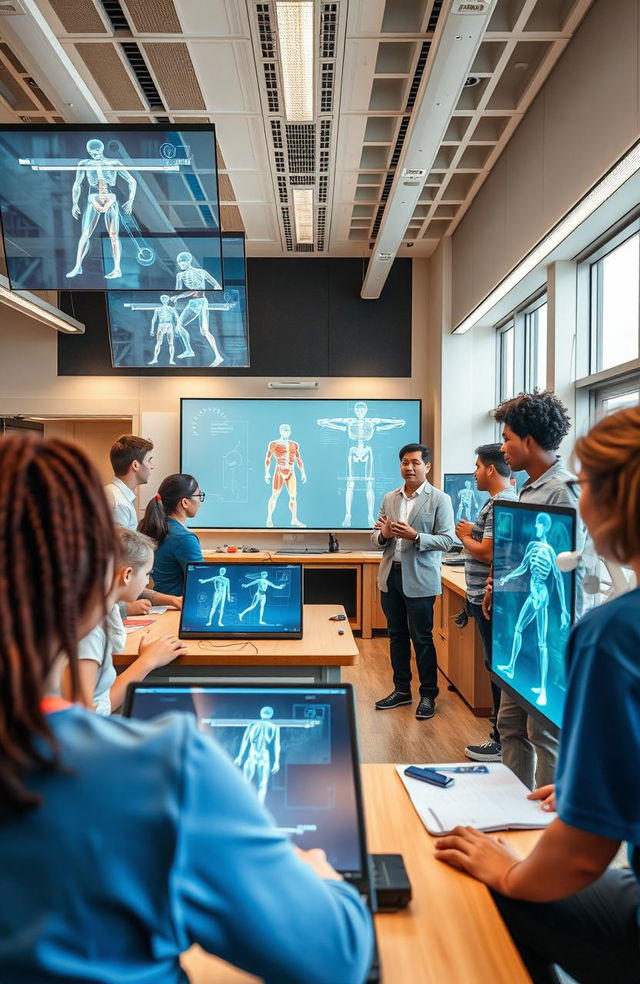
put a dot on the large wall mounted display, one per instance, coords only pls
(96, 207)
(185, 329)
(322, 464)
(533, 604)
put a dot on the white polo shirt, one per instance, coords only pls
(121, 498)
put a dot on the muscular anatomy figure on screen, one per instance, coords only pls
(195, 279)
(165, 320)
(540, 562)
(260, 583)
(221, 594)
(361, 430)
(258, 740)
(287, 455)
(101, 174)
(467, 503)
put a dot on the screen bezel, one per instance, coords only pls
(293, 399)
(244, 634)
(186, 370)
(530, 708)
(49, 128)
(361, 876)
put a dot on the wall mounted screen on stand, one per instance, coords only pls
(184, 329)
(97, 207)
(321, 464)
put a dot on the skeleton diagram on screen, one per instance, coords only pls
(287, 455)
(260, 583)
(361, 430)
(101, 174)
(540, 561)
(468, 504)
(195, 279)
(165, 320)
(221, 594)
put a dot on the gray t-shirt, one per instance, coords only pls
(476, 571)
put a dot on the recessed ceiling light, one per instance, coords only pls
(471, 80)
(295, 39)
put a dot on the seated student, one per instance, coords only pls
(561, 904)
(124, 842)
(100, 688)
(178, 499)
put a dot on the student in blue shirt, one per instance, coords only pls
(562, 904)
(124, 842)
(165, 521)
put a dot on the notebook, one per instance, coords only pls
(492, 800)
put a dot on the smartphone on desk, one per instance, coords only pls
(428, 775)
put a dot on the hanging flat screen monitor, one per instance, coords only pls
(97, 207)
(242, 601)
(322, 464)
(533, 604)
(184, 329)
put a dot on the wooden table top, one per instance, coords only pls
(451, 931)
(342, 557)
(321, 644)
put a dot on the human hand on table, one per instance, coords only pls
(486, 858)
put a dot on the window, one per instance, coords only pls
(522, 350)
(506, 366)
(615, 304)
(615, 396)
(535, 331)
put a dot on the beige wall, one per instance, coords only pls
(584, 119)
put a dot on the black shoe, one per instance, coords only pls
(426, 708)
(395, 699)
(488, 751)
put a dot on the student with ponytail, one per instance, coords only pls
(123, 842)
(165, 521)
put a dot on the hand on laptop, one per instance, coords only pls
(161, 650)
(317, 859)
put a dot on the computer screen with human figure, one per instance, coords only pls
(242, 600)
(533, 604)
(295, 745)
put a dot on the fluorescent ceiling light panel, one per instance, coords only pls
(598, 195)
(303, 214)
(38, 309)
(295, 39)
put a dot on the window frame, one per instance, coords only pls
(531, 337)
(592, 266)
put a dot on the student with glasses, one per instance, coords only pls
(165, 521)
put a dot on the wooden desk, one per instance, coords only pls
(451, 931)
(316, 657)
(460, 651)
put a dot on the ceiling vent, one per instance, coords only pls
(116, 15)
(143, 76)
(10, 8)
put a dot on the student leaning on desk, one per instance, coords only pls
(124, 842)
(561, 904)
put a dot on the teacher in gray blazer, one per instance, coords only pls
(414, 527)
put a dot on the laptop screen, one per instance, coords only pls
(295, 744)
(246, 601)
(533, 604)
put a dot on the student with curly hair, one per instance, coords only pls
(562, 904)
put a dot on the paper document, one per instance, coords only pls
(158, 609)
(135, 624)
(493, 800)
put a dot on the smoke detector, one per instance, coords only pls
(470, 81)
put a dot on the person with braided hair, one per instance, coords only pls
(122, 842)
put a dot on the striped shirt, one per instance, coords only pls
(476, 571)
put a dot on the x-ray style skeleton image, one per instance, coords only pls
(196, 281)
(286, 454)
(466, 500)
(96, 207)
(259, 584)
(361, 431)
(221, 594)
(468, 505)
(539, 609)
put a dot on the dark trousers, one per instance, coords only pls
(410, 620)
(484, 628)
(593, 935)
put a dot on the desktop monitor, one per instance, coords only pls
(308, 731)
(241, 601)
(466, 500)
(174, 331)
(533, 604)
(319, 464)
(110, 206)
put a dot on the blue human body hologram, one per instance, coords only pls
(242, 599)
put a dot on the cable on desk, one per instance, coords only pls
(209, 646)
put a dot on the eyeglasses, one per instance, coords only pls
(198, 495)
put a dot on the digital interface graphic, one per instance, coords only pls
(184, 329)
(293, 745)
(247, 600)
(533, 603)
(322, 464)
(109, 207)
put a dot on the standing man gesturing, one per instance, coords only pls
(414, 527)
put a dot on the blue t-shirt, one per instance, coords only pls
(181, 547)
(152, 840)
(598, 777)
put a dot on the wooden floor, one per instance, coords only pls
(396, 735)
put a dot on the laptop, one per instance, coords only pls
(315, 796)
(241, 601)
